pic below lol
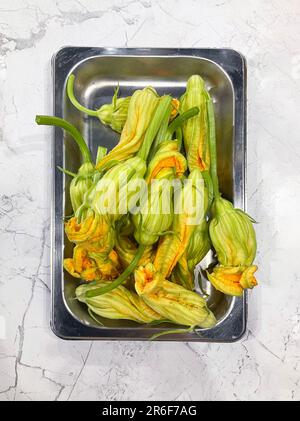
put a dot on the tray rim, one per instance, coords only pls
(63, 324)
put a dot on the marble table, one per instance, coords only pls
(36, 365)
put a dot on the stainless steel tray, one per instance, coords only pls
(98, 71)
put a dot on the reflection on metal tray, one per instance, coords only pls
(98, 71)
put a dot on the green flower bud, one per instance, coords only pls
(81, 184)
(195, 130)
(232, 234)
(114, 114)
(140, 113)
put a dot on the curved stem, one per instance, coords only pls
(72, 98)
(63, 124)
(121, 278)
(70, 173)
(181, 119)
(212, 146)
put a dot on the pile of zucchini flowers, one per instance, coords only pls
(138, 265)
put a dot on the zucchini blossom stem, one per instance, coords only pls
(76, 135)
(71, 95)
(181, 119)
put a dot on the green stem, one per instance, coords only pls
(178, 121)
(72, 174)
(76, 135)
(99, 291)
(212, 146)
(154, 126)
(162, 132)
(72, 98)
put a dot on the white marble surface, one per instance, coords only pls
(34, 364)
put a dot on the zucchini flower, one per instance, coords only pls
(113, 115)
(172, 301)
(140, 113)
(80, 184)
(231, 232)
(233, 280)
(156, 213)
(117, 304)
(93, 257)
(94, 232)
(81, 266)
(195, 130)
(83, 180)
(233, 237)
(90, 266)
(190, 208)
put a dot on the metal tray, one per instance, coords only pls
(98, 71)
